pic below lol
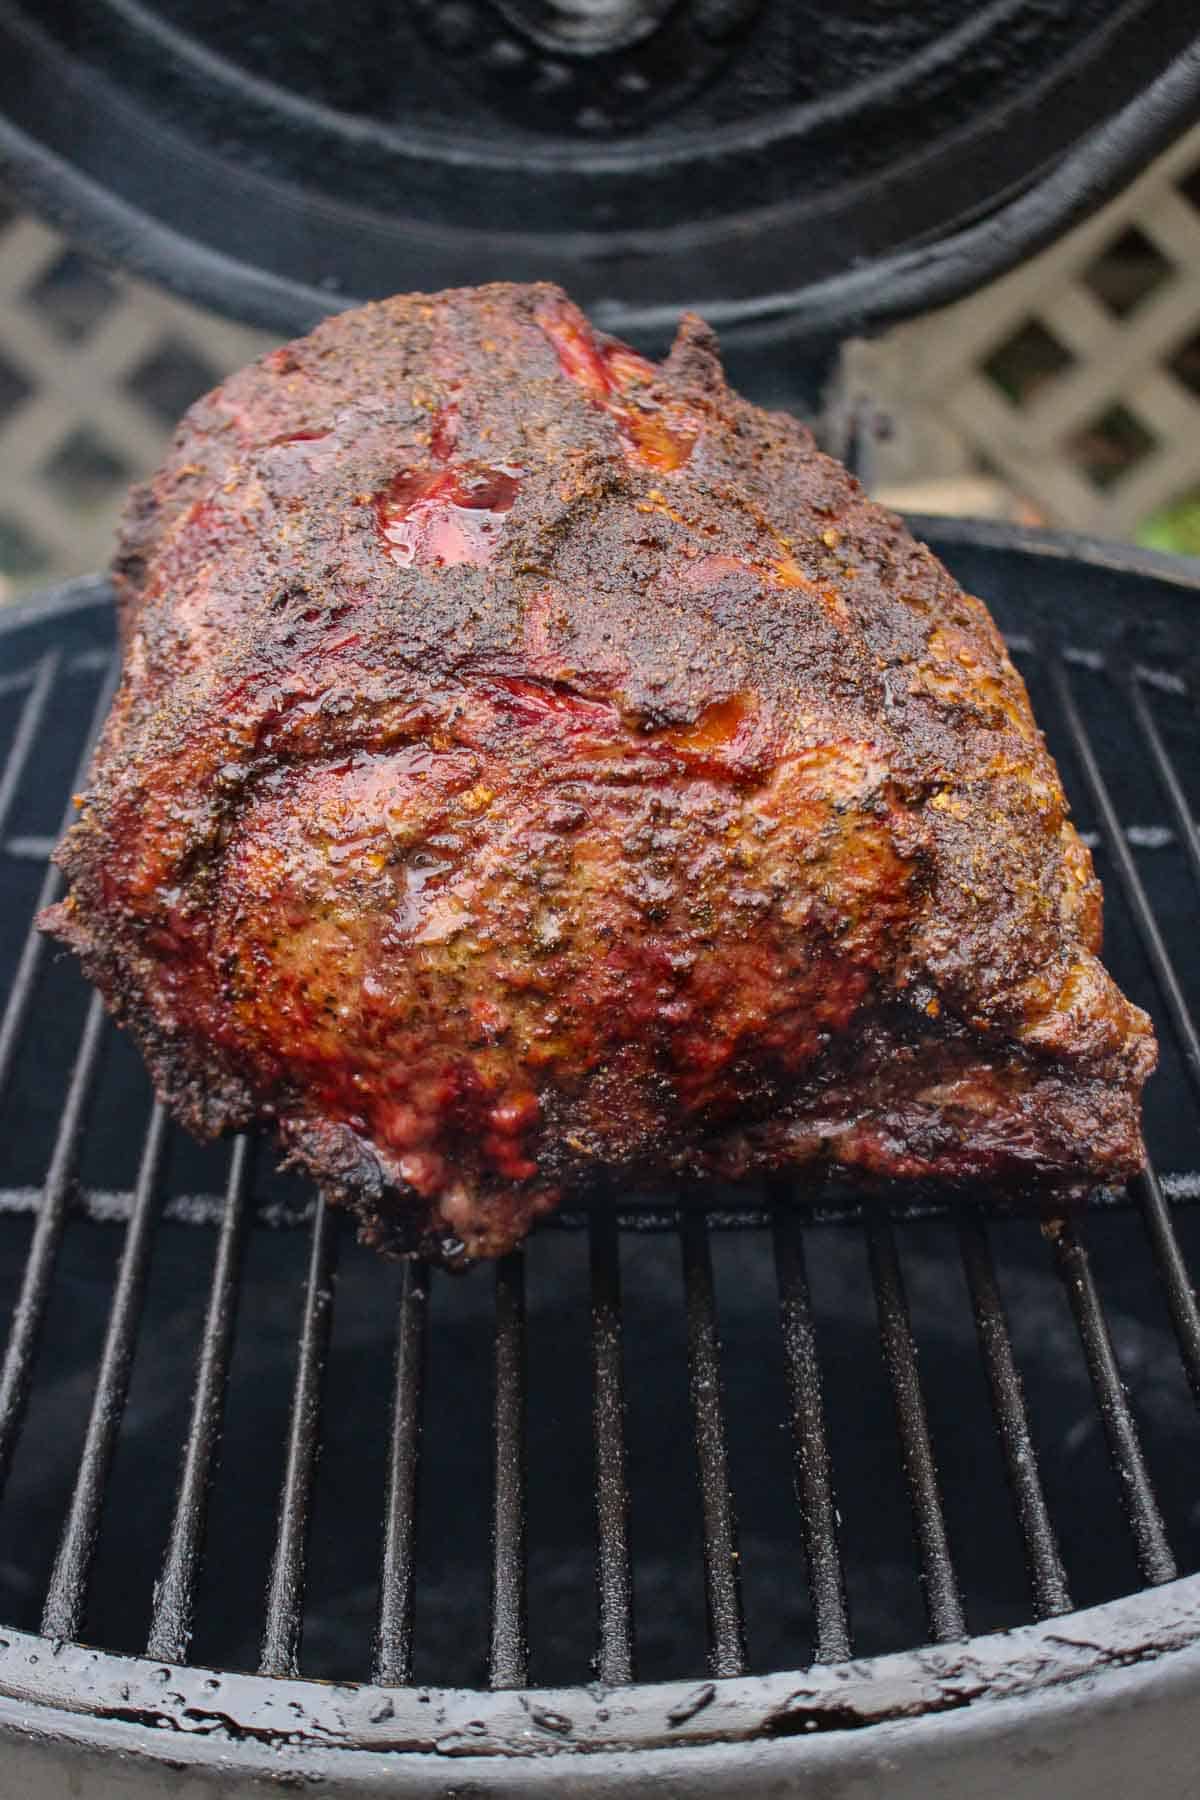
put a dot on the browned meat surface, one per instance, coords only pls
(531, 760)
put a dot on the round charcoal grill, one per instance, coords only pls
(276, 1511)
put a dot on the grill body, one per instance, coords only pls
(584, 1464)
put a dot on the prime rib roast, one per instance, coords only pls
(534, 761)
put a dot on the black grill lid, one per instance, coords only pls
(783, 164)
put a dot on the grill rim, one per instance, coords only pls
(94, 1697)
(1094, 1652)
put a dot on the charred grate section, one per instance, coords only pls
(1100, 711)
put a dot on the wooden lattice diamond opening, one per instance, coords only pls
(1110, 446)
(21, 555)
(170, 378)
(86, 470)
(1127, 272)
(72, 296)
(1026, 361)
(1184, 364)
(15, 390)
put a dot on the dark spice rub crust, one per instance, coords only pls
(530, 759)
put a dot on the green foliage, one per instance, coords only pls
(1175, 527)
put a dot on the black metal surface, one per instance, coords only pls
(649, 155)
(1169, 984)
(1164, 768)
(942, 1600)
(1155, 1560)
(1177, 1283)
(810, 1447)
(1047, 1576)
(33, 711)
(20, 993)
(397, 1577)
(173, 1614)
(66, 1594)
(614, 1580)
(508, 1660)
(29, 1313)
(722, 1587)
(1085, 1358)
(280, 1653)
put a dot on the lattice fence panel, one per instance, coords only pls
(94, 371)
(1076, 379)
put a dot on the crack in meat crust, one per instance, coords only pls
(530, 759)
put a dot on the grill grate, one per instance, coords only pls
(285, 1588)
(63, 1613)
(173, 1616)
(810, 1446)
(508, 1660)
(1047, 1576)
(722, 1588)
(392, 1665)
(614, 1580)
(942, 1602)
(806, 1414)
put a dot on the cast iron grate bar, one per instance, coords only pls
(1168, 775)
(66, 1596)
(30, 1310)
(1118, 848)
(1047, 1577)
(1181, 1299)
(24, 982)
(112, 1206)
(1173, 1272)
(1137, 1494)
(19, 681)
(29, 723)
(173, 1613)
(280, 1653)
(508, 1657)
(614, 1581)
(810, 1445)
(942, 1601)
(722, 1587)
(393, 1640)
